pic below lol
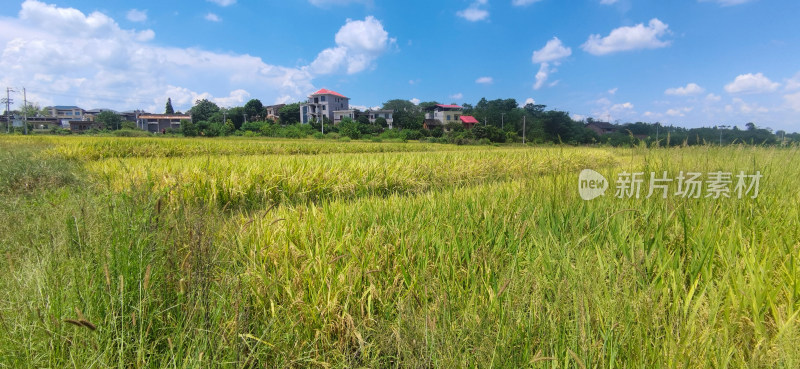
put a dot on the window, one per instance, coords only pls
(448, 117)
(323, 107)
(322, 98)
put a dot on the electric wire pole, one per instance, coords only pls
(8, 102)
(25, 109)
(523, 128)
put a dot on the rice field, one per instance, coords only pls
(185, 253)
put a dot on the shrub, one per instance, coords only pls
(125, 132)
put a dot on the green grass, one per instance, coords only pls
(479, 257)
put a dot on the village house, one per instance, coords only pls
(157, 123)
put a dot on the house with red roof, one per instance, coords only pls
(322, 104)
(468, 121)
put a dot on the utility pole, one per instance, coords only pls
(25, 110)
(523, 128)
(8, 102)
(657, 125)
(245, 117)
(502, 120)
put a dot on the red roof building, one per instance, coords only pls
(322, 104)
(468, 121)
(325, 91)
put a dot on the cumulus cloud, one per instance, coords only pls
(485, 80)
(475, 12)
(745, 108)
(793, 83)
(689, 89)
(212, 17)
(549, 57)
(135, 15)
(415, 101)
(751, 84)
(523, 2)
(90, 61)
(358, 44)
(613, 91)
(793, 101)
(542, 75)
(529, 100)
(621, 107)
(678, 112)
(713, 98)
(223, 2)
(554, 50)
(457, 96)
(629, 38)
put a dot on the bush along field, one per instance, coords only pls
(183, 253)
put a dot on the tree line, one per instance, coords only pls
(500, 120)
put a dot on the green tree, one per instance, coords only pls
(349, 128)
(381, 122)
(400, 105)
(254, 110)
(168, 109)
(189, 128)
(203, 110)
(290, 114)
(109, 119)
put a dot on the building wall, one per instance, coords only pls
(328, 104)
(443, 115)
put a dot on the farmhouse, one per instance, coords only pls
(156, 123)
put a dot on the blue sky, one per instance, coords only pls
(683, 62)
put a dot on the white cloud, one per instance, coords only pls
(678, 112)
(745, 108)
(542, 75)
(529, 100)
(523, 2)
(713, 98)
(751, 84)
(66, 57)
(689, 89)
(457, 96)
(551, 54)
(485, 80)
(135, 15)
(793, 83)
(552, 51)
(475, 12)
(629, 38)
(415, 101)
(727, 2)
(793, 101)
(621, 107)
(613, 91)
(223, 2)
(235, 98)
(212, 17)
(608, 2)
(358, 44)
